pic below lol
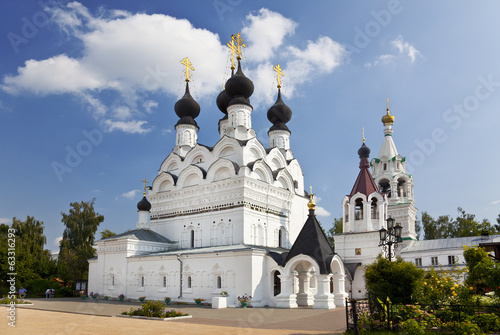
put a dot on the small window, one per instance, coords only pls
(219, 282)
(189, 284)
(385, 166)
(112, 280)
(164, 281)
(434, 260)
(418, 261)
(142, 281)
(192, 238)
(452, 260)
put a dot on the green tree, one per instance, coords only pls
(78, 239)
(467, 225)
(338, 228)
(397, 280)
(32, 261)
(484, 272)
(497, 226)
(107, 233)
(434, 229)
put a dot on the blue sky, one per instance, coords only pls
(87, 93)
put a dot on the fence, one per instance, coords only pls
(385, 316)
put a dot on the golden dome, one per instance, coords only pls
(311, 204)
(388, 118)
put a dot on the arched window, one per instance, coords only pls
(280, 238)
(219, 282)
(331, 285)
(374, 209)
(385, 187)
(164, 281)
(189, 283)
(192, 238)
(358, 210)
(385, 166)
(112, 280)
(142, 281)
(276, 283)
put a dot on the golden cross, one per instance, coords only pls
(233, 48)
(311, 194)
(239, 43)
(145, 182)
(279, 74)
(387, 103)
(363, 134)
(186, 62)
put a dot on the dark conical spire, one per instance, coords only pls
(364, 183)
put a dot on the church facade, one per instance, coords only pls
(230, 218)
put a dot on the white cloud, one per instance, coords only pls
(56, 241)
(130, 194)
(496, 202)
(133, 127)
(320, 211)
(4, 221)
(134, 55)
(265, 33)
(404, 51)
(406, 48)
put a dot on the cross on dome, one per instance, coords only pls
(235, 45)
(187, 63)
(363, 129)
(279, 74)
(311, 203)
(145, 182)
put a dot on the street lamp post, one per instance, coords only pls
(390, 236)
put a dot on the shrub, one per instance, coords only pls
(462, 328)
(412, 327)
(155, 309)
(380, 280)
(487, 322)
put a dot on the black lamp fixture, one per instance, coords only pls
(390, 236)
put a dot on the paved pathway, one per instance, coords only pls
(74, 316)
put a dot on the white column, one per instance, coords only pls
(304, 297)
(339, 290)
(323, 299)
(286, 299)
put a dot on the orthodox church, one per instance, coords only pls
(233, 217)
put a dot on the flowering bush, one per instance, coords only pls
(155, 309)
(121, 296)
(142, 298)
(198, 300)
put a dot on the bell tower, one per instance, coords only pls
(392, 180)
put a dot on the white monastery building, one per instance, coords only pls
(233, 217)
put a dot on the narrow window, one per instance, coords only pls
(112, 280)
(164, 281)
(192, 238)
(331, 285)
(142, 281)
(189, 282)
(385, 166)
(358, 210)
(418, 261)
(276, 283)
(219, 282)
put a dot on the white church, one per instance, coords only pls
(233, 217)
(236, 218)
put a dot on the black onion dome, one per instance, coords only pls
(187, 106)
(364, 151)
(279, 112)
(223, 100)
(144, 205)
(279, 126)
(239, 84)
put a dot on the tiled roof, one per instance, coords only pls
(446, 243)
(142, 235)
